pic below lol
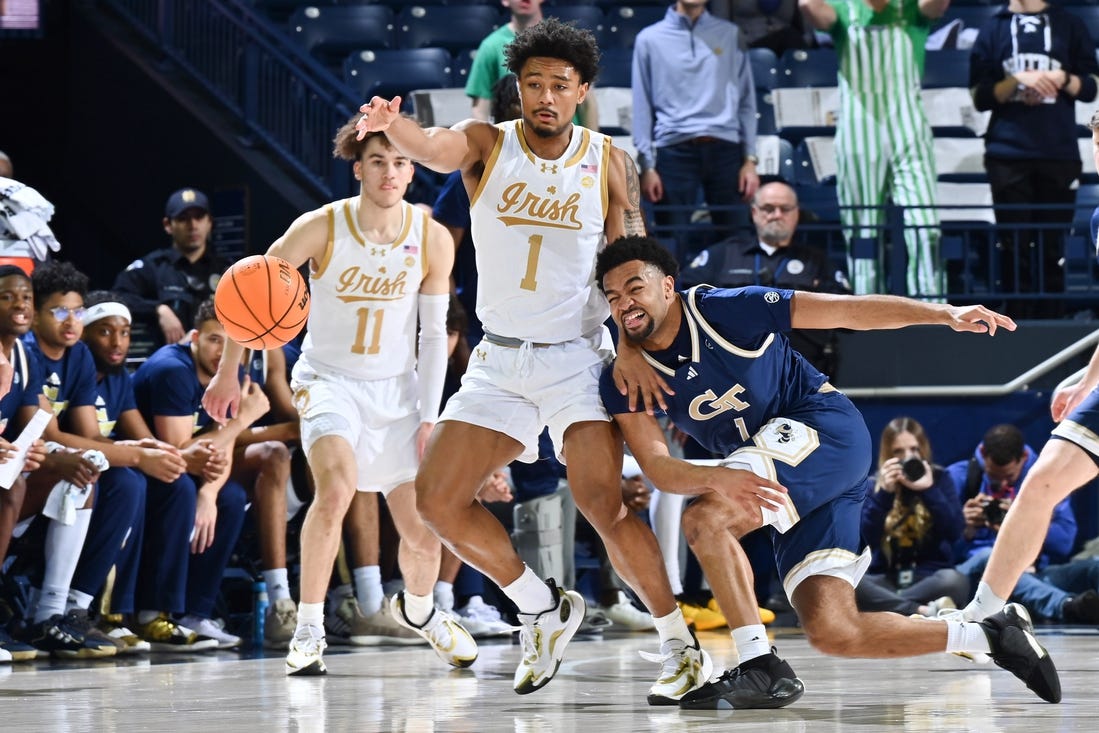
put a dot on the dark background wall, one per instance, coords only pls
(106, 131)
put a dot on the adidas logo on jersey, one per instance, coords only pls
(691, 373)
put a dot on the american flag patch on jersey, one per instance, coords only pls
(411, 249)
(592, 168)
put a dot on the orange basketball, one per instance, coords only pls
(262, 302)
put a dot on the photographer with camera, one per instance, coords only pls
(989, 482)
(911, 520)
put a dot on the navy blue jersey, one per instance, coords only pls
(746, 395)
(26, 386)
(114, 395)
(70, 380)
(731, 366)
(167, 385)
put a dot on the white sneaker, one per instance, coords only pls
(625, 614)
(482, 620)
(306, 649)
(447, 637)
(211, 629)
(683, 667)
(543, 638)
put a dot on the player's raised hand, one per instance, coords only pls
(378, 114)
(978, 319)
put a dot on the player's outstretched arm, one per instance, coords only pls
(439, 148)
(876, 312)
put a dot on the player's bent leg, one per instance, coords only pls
(419, 556)
(712, 525)
(458, 460)
(593, 451)
(332, 462)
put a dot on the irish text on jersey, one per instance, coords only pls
(520, 206)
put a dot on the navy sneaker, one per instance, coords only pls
(763, 682)
(1011, 635)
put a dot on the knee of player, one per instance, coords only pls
(275, 455)
(703, 518)
(830, 634)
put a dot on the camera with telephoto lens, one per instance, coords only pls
(913, 468)
(994, 513)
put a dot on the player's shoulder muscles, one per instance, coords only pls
(481, 139)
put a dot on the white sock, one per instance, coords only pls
(368, 588)
(984, 603)
(965, 637)
(78, 599)
(418, 609)
(529, 593)
(751, 642)
(63, 545)
(278, 587)
(444, 595)
(672, 626)
(311, 614)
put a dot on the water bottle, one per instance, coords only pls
(259, 612)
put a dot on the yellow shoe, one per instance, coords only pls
(766, 616)
(703, 618)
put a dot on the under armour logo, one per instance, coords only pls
(377, 251)
(550, 168)
(691, 373)
(481, 354)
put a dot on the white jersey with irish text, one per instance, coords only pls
(537, 226)
(362, 320)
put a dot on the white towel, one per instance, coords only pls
(66, 497)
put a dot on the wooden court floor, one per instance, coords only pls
(600, 688)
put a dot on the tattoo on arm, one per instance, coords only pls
(633, 221)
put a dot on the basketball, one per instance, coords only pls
(262, 302)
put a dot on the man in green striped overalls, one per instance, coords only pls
(883, 139)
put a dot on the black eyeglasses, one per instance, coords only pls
(62, 313)
(772, 208)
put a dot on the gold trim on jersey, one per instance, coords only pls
(489, 165)
(585, 143)
(406, 224)
(750, 354)
(329, 246)
(604, 176)
(352, 225)
(523, 141)
(694, 351)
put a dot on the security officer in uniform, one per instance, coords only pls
(773, 258)
(164, 288)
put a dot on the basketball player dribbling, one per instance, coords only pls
(367, 396)
(543, 193)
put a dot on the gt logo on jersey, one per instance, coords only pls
(708, 405)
